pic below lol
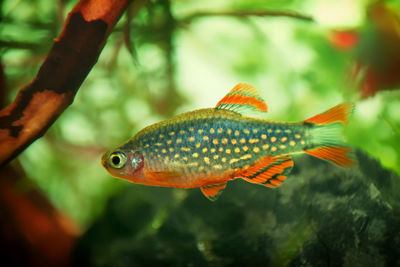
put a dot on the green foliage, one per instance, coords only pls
(159, 62)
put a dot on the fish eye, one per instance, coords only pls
(117, 160)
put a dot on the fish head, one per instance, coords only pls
(124, 163)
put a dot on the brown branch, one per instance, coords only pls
(69, 61)
(131, 12)
(247, 13)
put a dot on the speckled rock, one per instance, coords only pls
(321, 216)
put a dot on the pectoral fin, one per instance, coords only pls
(213, 191)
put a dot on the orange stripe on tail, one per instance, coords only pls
(339, 113)
(336, 154)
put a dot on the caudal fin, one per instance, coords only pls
(326, 135)
(335, 154)
(339, 113)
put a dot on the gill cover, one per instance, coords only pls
(137, 161)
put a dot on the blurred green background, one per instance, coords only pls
(168, 57)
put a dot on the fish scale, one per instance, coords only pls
(207, 148)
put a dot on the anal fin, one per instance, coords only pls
(270, 171)
(213, 191)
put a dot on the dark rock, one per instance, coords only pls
(321, 216)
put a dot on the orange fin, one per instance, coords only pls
(243, 98)
(335, 154)
(213, 191)
(339, 113)
(270, 171)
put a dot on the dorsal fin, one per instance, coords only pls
(244, 99)
(270, 171)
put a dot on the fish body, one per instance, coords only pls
(207, 148)
(210, 145)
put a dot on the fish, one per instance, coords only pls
(209, 147)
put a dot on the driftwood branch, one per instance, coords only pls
(246, 13)
(69, 61)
